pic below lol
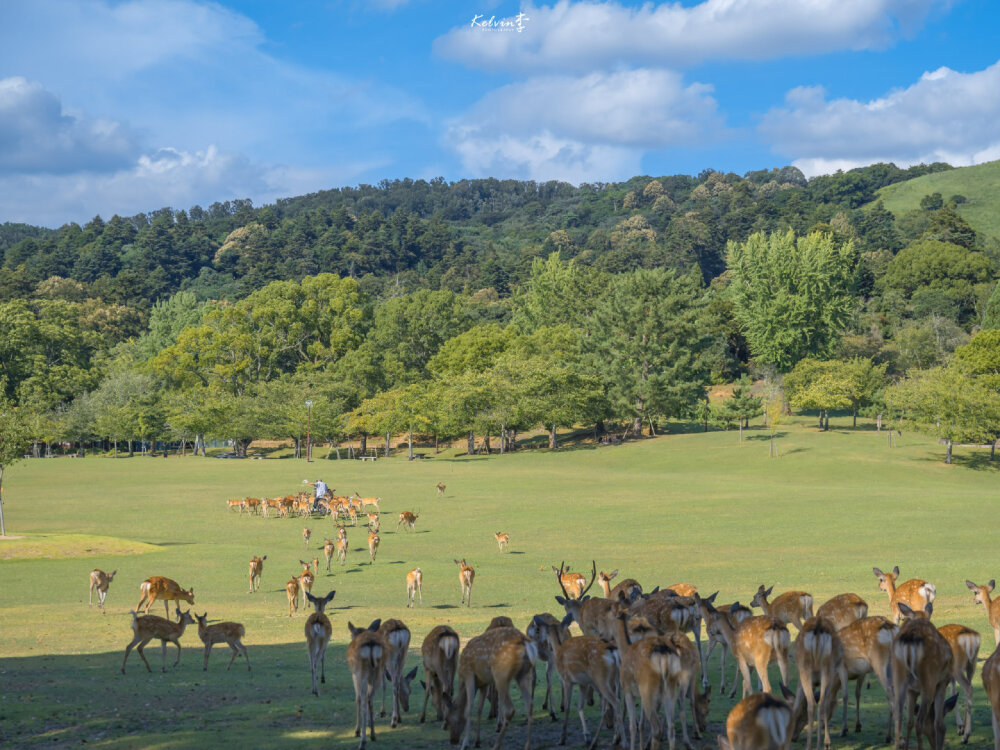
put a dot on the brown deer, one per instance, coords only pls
(921, 667)
(329, 549)
(149, 627)
(759, 722)
(981, 595)
(867, 647)
(373, 522)
(251, 505)
(306, 533)
(414, 586)
(292, 590)
(440, 656)
(496, 658)
(991, 684)
(734, 614)
(843, 609)
(306, 580)
(760, 640)
(396, 639)
(366, 660)
(916, 593)
(230, 633)
(466, 575)
(964, 643)
(318, 632)
(819, 656)
(407, 519)
(256, 568)
(683, 589)
(546, 631)
(440, 489)
(363, 502)
(342, 549)
(685, 682)
(572, 584)
(503, 540)
(236, 503)
(792, 607)
(101, 581)
(164, 589)
(373, 541)
(627, 586)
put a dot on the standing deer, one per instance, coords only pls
(759, 640)
(916, 593)
(760, 722)
(440, 656)
(574, 585)
(236, 503)
(843, 609)
(366, 660)
(466, 575)
(819, 656)
(791, 607)
(230, 633)
(868, 649)
(256, 568)
(306, 580)
(406, 518)
(318, 631)
(329, 548)
(363, 502)
(306, 533)
(373, 522)
(981, 595)
(440, 489)
(164, 589)
(101, 581)
(292, 590)
(964, 643)
(547, 632)
(373, 541)
(414, 583)
(342, 549)
(733, 614)
(921, 667)
(149, 627)
(503, 540)
(629, 586)
(991, 684)
(396, 639)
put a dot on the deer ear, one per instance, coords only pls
(878, 572)
(970, 584)
(375, 624)
(561, 601)
(329, 597)
(613, 573)
(895, 570)
(991, 584)
(411, 674)
(711, 599)
(904, 610)
(768, 592)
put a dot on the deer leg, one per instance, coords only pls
(967, 686)
(139, 650)
(782, 667)
(371, 711)
(312, 670)
(236, 653)
(357, 704)
(583, 720)
(745, 671)
(669, 706)
(765, 681)
(428, 688)
(322, 661)
(479, 714)
(178, 644)
(128, 649)
(567, 702)
(166, 607)
(528, 696)
(208, 650)
(549, 699)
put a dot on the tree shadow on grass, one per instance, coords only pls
(765, 436)
(979, 461)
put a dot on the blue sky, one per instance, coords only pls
(120, 107)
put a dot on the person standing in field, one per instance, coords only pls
(321, 488)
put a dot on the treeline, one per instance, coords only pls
(485, 307)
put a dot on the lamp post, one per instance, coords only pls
(309, 411)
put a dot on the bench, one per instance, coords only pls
(368, 458)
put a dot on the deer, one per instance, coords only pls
(503, 540)
(439, 652)
(406, 518)
(759, 722)
(373, 542)
(843, 609)
(921, 666)
(373, 522)
(627, 586)
(256, 568)
(981, 595)
(759, 639)
(792, 607)
(329, 549)
(101, 581)
(251, 504)
(964, 643)
(272, 502)
(734, 614)
(545, 629)
(292, 590)
(342, 549)
(572, 584)
(306, 579)
(352, 514)
(230, 633)
(466, 575)
(306, 533)
(237, 503)
(414, 584)
(164, 589)
(363, 502)
(366, 660)
(151, 626)
(916, 593)
(440, 488)
(396, 640)
(318, 632)
(991, 684)
(683, 589)
(867, 645)
(495, 658)
(819, 656)
(685, 682)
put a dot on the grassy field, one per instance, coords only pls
(687, 507)
(980, 184)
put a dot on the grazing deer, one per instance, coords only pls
(236, 503)
(256, 568)
(760, 722)
(466, 575)
(916, 593)
(292, 590)
(503, 540)
(373, 541)
(366, 660)
(318, 631)
(867, 647)
(981, 595)
(396, 639)
(964, 643)
(149, 627)
(440, 488)
(164, 589)
(819, 656)
(342, 549)
(230, 633)
(627, 586)
(495, 658)
(921, 667)
(991, 684)
(843, 609)
(791, 607)
(414, 584)
(101, 581)
(440, 655)
(306, 579)
(329, 548)
(306, 533)
(406, 518)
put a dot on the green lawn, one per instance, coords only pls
(695, 507)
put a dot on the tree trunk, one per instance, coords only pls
(772, 451)
(116, 447)
(364, 444)
(821, 419)
(34, 448)
(298, 449)
(336, 447)
(741, 432)
(130, 451)
(993, 449)
(855, 415)
(947, 455)
(878, 423)
(503, 440)
(553, 442)
(387, 445)
(436, 449)
(486, 443)
(512, 445)
(409, 440)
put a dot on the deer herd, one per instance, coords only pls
(639, 655)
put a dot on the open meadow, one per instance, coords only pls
(696, 508)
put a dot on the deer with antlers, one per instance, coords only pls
(991, 684)
(292, 591)
(407, 519)
(256, 567)
(396, 639)
(318, 631)
(373, 542)
(819, 656)
(466, 575)
(166, 590)
(366, 660)
(503, 540)
(439, 652)
(101, 581)
(495, 658)
(921, 667)
(149, 627)
(792, 607)
(981, 595)
(916, 593)
(230, 633)
(414, 587)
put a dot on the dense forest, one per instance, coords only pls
(484, 307)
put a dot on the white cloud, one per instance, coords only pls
(945, 116)
(592, 127)
(577, 36)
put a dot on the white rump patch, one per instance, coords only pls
(929, 591)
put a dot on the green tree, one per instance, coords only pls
(557, 292)
(742, 405)
(791, 294)
(835, 384)
(14, 438)
(944, 266)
